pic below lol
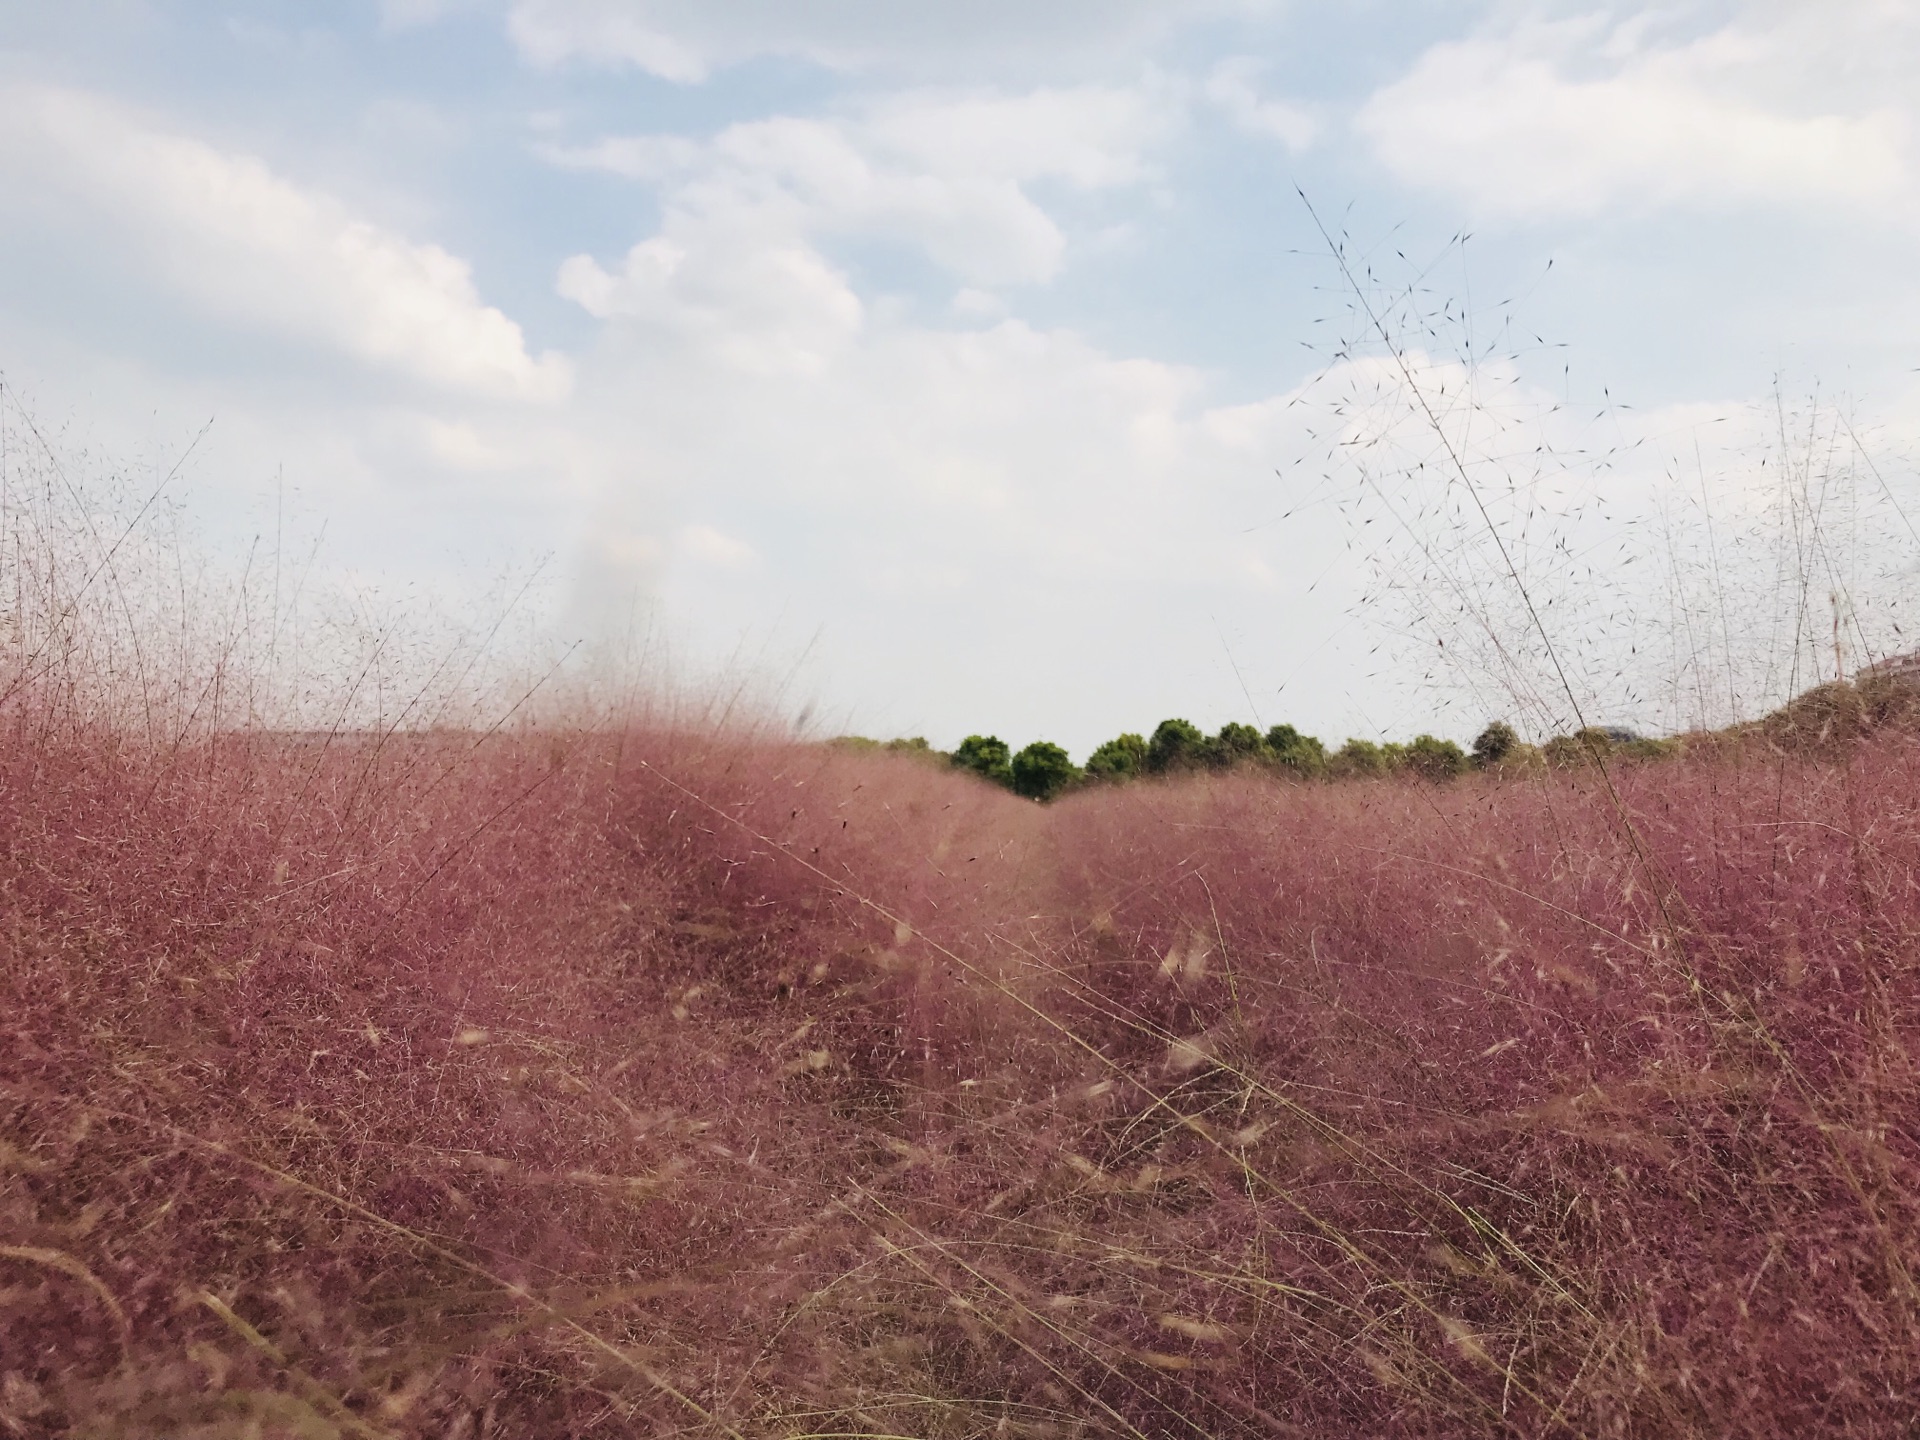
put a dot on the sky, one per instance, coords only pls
(1041, 370)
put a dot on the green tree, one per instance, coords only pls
(1434, 759)
(1645, 747)
(1565, 752)
(915, 746)
(1176, 745)
(1361, 758)
(1122, 758)
(986, 756)
(1494, 744)
(1236, 744)
(1042, 771)
(1302, 754)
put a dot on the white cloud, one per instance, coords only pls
(972, 304)
(1569, 119)
(458, 445)
(410, 14)
(941, 171)
(1231, 86)
(990, 521)
(264, 252)
(713, 547)
(686, 40)
(951, 505)
(772, 309)
(932, 491)
(960, 509)
(549, 32)
(1092, 136)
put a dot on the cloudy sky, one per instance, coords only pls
(968, 367)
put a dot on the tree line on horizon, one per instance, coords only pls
(1818, 721)
(1044, 770)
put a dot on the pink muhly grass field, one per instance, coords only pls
(642, 1080)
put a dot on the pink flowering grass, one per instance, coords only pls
(647, 1079)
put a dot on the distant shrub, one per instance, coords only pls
(1434, 759)
(1605, 743)
(1494, 744)
(1176, 745)
(1122, 758)
(1566, 752)
(1302, 754)
(1042, 771)
(1886, 695)
(1563, 752)
(1522, 759)
(1358, 759)
(1644, 747)
(1180, 745)
(917, 746)
(986, 756)
(1237, 744)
